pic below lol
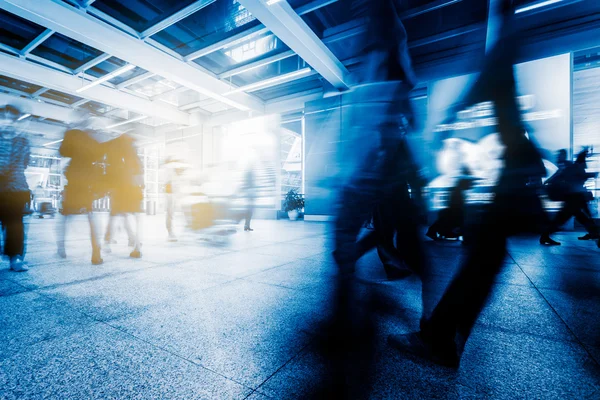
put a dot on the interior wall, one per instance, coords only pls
(323, 119)
(586, 125)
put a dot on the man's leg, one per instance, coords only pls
(137, 250)
(357, 201)
(14, 229)
(131, 233)
(170, 214)
(462, 301)
(587, 222)
(249, 213)
(96, 257)
(561, 218)
(109, 236)
(386, 222)
(61, 233)
(366, 243)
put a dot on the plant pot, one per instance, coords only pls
(293, 215)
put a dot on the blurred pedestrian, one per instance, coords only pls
(14, 190)
(84, 176)
(516, 208)
(568, 186)
(249, 190)
(174, 170)
(451, 220)
(372, 172)
(124, 176)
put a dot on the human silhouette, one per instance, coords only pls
(516, 208)
(124, 175)
(567, 185)
(84, 180)
(14, 190)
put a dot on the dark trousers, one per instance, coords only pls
(575, 205)
(463, 300)
(12, 206)
(248, 213)
(395, 234)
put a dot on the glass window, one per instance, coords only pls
(106, 67)
(268, 71)
(213, 23)
(17, 32)
(66, 51)
(137, 71)
(254, 47)
(334, 14)
(141, 14)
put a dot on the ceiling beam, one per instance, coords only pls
(42, 76)
(178, 16)
(287, 25)
(37, 41)
(86, 29)
(257, 30)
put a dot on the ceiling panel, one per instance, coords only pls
(329, 16)
(254, 47)
(106, 67)
(454, 16)
(140, 14)
(215, 22)
(66, 51)
(17, 32)
(272, 70)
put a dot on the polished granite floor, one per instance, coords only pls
(196, 320)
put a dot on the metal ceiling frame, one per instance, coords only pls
(281, 19)
(43, 76)
(77, 24)
(257, 30)
(37, 41)
(173, 19)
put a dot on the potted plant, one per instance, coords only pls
(292, 204)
